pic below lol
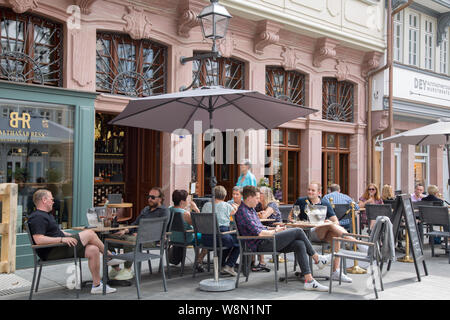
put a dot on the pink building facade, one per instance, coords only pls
(331, 52)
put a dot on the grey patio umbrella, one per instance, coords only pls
(221, 108)
(437, 133)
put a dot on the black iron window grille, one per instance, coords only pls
(226, 72)
(31, 49)
(337, 100)
(130, 67)
(285, 85)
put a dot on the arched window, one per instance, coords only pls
(285, 85)
(226, 72)
(130, 67)
(337, 100)
(31, 49)
(35, 153)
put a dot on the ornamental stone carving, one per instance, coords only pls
(138, 23)
(187, 20)
(20, 6)
(342, 70)
(85, 5)
(267, 34)
(226, 45)
(325, 49)
(371, 62)
(289, 58)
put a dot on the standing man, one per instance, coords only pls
(155, 209)
(340, 198)
(323, 233)
(246, 178)
(45, 230)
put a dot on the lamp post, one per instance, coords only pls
(214, 20)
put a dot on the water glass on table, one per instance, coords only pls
(296, 212)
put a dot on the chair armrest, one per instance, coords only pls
(353, 241)
(53, 245)
(255, 237)
(118, 241)
(229, 232)
(357, 235)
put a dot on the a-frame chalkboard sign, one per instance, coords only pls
(405, 208)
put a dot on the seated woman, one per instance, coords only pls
(387, 193)
(180, 204)
(236, 198)
(370, 196)
(433, 194)
(223, 212)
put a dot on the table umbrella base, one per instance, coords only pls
(217, 286)
(406, 258)
(356, 270)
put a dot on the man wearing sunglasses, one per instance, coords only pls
(155, 209)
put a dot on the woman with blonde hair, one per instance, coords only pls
(370, 196)
(433, 194)
(387, 193)
(269, 205)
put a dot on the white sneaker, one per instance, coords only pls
(324, 260)
(315, 286)
(113, 273)
(229, 270)
(344, 277)
(99, 289)
(124, 274)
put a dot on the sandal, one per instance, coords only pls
(263, 267)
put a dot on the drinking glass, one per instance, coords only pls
(296, 211)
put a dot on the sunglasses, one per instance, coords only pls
(372, 189)
(152, 197)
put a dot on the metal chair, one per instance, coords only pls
(285, 209)
(150, 231)
(203, 224)
(373, 253)
(200, 202)
(39, 262)
(178, 225)
(436, 216)
(246, 253)
(375, 210)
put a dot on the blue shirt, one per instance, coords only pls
(223, 212)
(340, 198)
(249, 180)
(302, 203)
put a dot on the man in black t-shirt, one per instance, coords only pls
(45, 230)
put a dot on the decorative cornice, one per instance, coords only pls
(85, 5)
(342, 70)
(325, 48)
(289, 58)
(371, 62)
(187, 20)
(226, 45)
(138, 23)
(21, 6)
(266, 34)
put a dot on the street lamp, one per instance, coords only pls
(214, 20)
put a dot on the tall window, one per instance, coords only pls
(398, 36)
(285, 85)
(335, 160)
(421, 165)
(130, 67)
(429, 45)
(443, 49)
(337, 100)
(226, 72)
(413, 40)
(283, 163)
(31, 49)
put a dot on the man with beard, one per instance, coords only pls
(155, 209)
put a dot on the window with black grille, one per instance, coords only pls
(337, 100)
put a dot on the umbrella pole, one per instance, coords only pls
(215, 284)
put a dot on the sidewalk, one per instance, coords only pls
(399, 283)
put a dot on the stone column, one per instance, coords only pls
(436, 169)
